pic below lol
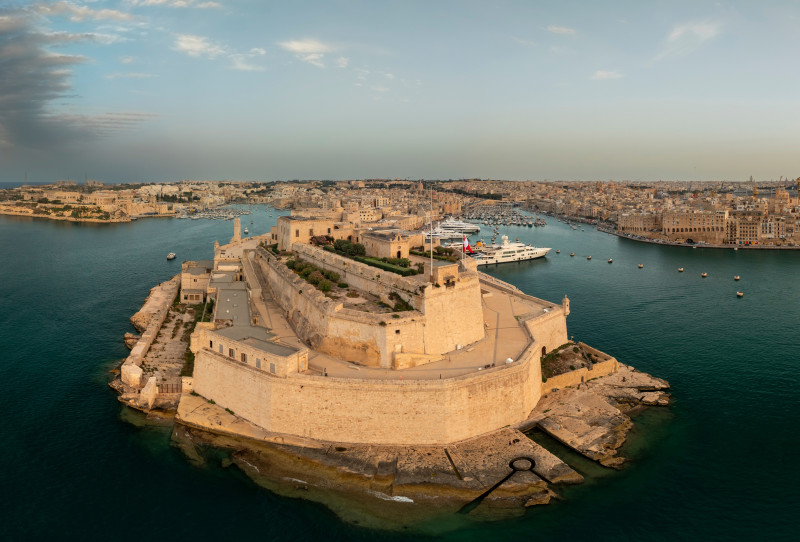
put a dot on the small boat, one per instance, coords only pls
(558, 252)
(171, 256)
(704, 275)
(739, 294)
(572, 254)
(641, 266)
(610, 260)
(737, 277)
(588, 257)
(246, 231)
(680, 270)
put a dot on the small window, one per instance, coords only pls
(195, 280)
(211, 344)
(258, 363)
(272, 368)
(231, 353)
(220, 348)
(297, 233)
(397, 332)
(244, 357)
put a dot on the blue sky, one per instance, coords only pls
(154, 90)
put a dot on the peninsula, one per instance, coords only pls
(341, 367)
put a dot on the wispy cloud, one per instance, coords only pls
(687, 37)
(242, 61)
(603, 74)
(309, 50)
(342, 62)
(80, 13)
(555, 29)
(527, 43)
(198, 46)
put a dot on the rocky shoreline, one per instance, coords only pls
(393, 486)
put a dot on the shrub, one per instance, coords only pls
(324, 285)
(291, 264)
(306, 272)
(331, 276)
(315, 277)
(343, 285)
(575, 349)
(352, 294)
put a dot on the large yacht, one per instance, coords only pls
(509, 252)
(450, 224)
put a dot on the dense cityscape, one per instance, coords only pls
(765, 214)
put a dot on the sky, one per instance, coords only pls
(163, 90)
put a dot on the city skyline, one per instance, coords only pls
(152, 90)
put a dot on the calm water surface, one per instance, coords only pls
(718, 464)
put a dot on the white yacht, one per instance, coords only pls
(442, 234)
(509, 252)
(450, 224)
(171, 256)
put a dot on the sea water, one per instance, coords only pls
(718, 463)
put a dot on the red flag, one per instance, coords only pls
(467, 248)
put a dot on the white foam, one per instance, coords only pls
(385, 497)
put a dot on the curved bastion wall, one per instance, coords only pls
(365, 411)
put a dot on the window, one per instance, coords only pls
(220, 348)
(231, 353)
(272, 368)
(244, 357)
(297, 233)
(211, 344)
(258, 363)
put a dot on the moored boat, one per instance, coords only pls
(509, 252)
(171, 256)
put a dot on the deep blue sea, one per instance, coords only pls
(718, 464)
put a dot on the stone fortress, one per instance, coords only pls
(463, 362)
(415, 386)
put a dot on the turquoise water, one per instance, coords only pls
(718, 464)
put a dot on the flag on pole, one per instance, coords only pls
(467, 248)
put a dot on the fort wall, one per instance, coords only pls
(579, 376)
(374, 339)
(374, 411)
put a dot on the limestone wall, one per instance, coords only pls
(363, 277)
(452, 316)
(373, 339)
(549, 329)
(579, 376)
(374, 411)
(130, 372)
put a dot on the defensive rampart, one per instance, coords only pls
(373, 339)
(374, 411)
